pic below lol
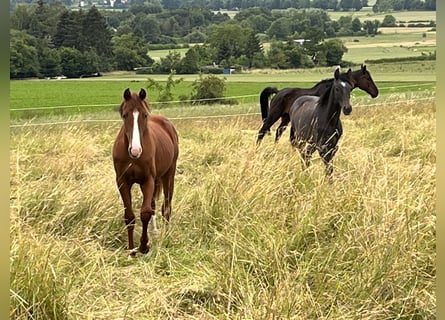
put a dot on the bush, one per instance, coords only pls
(208, 90)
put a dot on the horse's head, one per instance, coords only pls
(134, 112)
(363, 80)
(342, 89)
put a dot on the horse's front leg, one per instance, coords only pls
(306, 151)
(147, 211)
(125, 192)
(327, 154)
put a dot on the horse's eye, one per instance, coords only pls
(125, 115)
(145, 115)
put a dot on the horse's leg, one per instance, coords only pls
(147, 189)
(168, 186)
(274, 115)
(327, 153)
(306, 152)
(285, 119)
(125, 192)
(153, 207)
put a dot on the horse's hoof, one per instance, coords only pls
(144, 249)
(132, 254)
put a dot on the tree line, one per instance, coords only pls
(337, 5)
(49, 39)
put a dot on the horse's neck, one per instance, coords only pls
(330, 107)
(321, 87)
(355, 75)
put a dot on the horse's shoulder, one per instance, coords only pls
(162, 123)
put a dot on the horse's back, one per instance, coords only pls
(303, 104)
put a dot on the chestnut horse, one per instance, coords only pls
(145, 152)
(282, 101)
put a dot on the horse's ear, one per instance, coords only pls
(337, 73)
(142, 94)
(127, 94)
(349, 70)
(363, 68)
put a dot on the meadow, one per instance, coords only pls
(252, 234)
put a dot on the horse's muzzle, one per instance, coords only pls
(347, 110)
(134, 153)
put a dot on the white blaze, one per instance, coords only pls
(136, 148)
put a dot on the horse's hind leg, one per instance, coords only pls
(273, 117)
(153, 207)
(168, 184)
(285, 119)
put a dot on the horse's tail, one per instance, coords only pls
(264, 100)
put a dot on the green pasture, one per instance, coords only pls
(36, 98)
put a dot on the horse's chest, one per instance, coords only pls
(137, 173)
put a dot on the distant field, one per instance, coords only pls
(391, 42)
(368, 14)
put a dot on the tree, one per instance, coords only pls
(49, 60)
(95, 33)
(69, 30)
(130, 51)
(280, 28)
(21, 17)
(229, 42)
(146, 27)
(357, 5)
(23, 59)
(334, 50)
(72, 62)
(190, 63)
(171, 61)
(389, 21)
(371, 27)
(356, 25)
(254, 48)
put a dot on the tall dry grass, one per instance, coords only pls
(252, 235)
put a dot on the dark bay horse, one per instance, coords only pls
(282, 101)
(315, 121)
(145, 152)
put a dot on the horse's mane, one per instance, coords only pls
(324, 98)
(343, 76)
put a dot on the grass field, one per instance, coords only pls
(404, 16)
(252, 236)
(32, 100)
